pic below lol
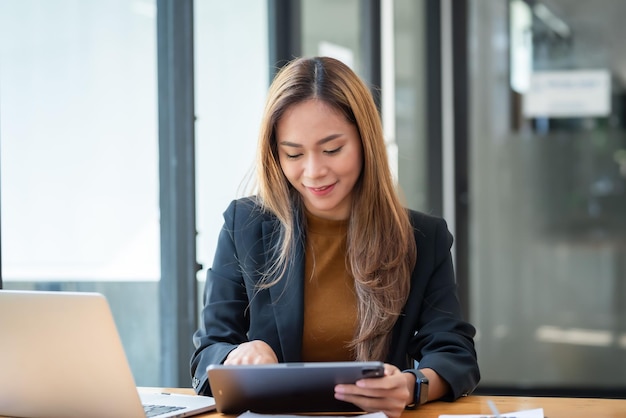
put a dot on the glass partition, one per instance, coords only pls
(331, 28)
(548, 194)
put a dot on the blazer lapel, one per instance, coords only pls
(287, 297)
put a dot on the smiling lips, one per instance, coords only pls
(321, 191)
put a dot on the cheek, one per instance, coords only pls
(353, 165)
(289, 170)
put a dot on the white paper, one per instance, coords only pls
(530, 413)
(255, 415)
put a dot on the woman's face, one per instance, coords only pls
(321, 156)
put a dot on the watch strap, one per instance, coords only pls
(420, 392)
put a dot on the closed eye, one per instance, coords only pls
(292, 156)
(333, 151)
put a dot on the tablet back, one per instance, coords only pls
(286, 387)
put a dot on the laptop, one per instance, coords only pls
(61, 356)
(287, 387)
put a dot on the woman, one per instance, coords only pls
(325, 264)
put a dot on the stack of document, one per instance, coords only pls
(530, 413)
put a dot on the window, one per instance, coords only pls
(78, 132)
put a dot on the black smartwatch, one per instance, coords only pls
(420, 394)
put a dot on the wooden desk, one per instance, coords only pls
(552, 407)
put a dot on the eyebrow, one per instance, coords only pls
(320, 142)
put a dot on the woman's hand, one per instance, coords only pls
(251, 352)
(389, 394)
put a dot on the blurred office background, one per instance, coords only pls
(127, 126)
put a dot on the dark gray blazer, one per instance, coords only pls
(430, 329)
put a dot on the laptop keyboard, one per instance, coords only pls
(156, 410)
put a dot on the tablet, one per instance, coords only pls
(286, 387)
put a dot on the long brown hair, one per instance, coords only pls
(381, 250)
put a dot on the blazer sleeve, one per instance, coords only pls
(223, 322)
(441, 339)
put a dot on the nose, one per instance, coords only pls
(315, 167)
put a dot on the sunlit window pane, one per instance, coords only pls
(79, 142)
